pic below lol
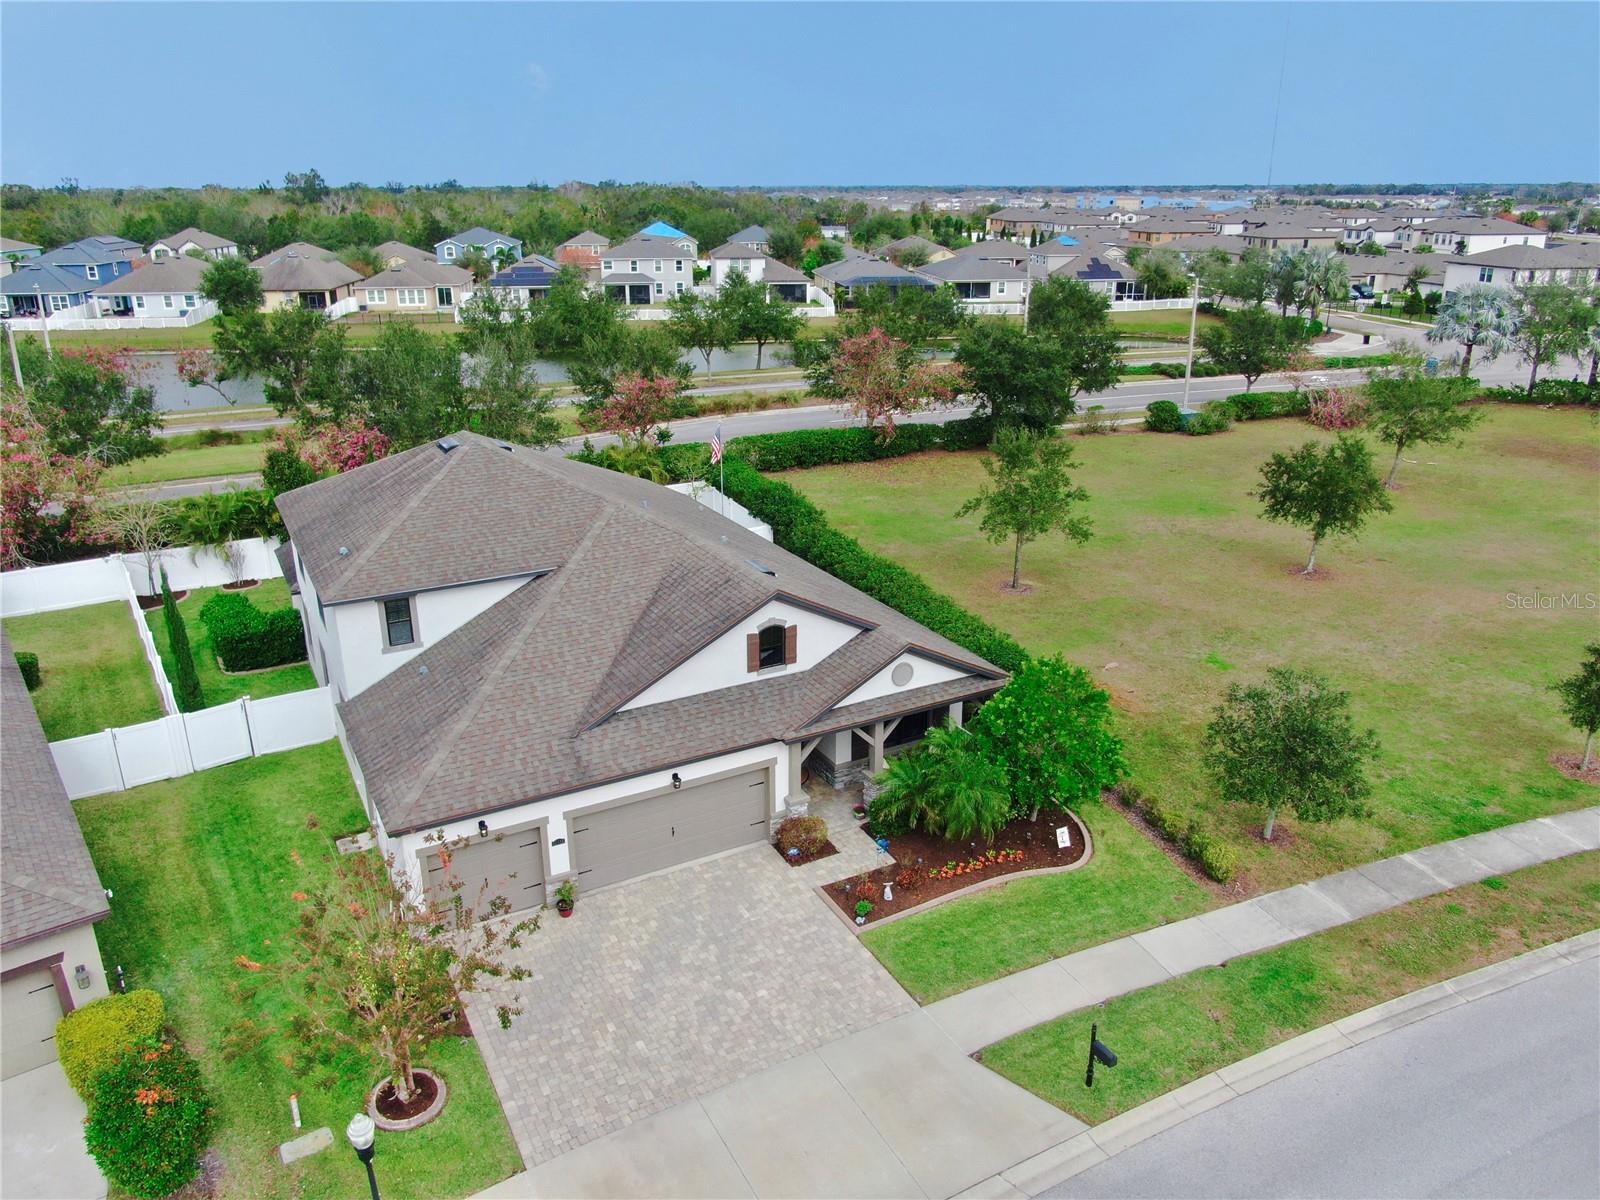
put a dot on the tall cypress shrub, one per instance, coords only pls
(187, 685)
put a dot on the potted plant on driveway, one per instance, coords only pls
(566, 897)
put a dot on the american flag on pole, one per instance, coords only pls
(716, 444)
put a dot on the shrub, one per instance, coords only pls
(1216, 417)
(150, 1120)
(805, 834)
(1172, 370)
(28, 664)
(1163, 416)
(186, 687)
(1261, 406)
(1211, 853)
(829, 447)
(283, 470)
(1336, 409)
(1216, 857)
(91, 1039)
(1546, 391)
(950, 786)
(247, 639)
(908, 879)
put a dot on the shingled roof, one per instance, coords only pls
(628, 580)
(47, 879)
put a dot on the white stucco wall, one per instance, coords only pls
(722, 663)
(358, 633)
(409, 847)
(924, 672)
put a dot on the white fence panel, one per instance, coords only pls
(292, 720)
(88, 765)
(64, 585)
(1148, 305)
(348, 305)
(77, 324)
(151, 751)
(169, 698)
(218, 735)
(187, 567)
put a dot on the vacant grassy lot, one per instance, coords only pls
(218, 686)
(1161, 322)
(202, 873)
(187, 459)
(1185, 589)
(1129, 885)
(95, 675)
(1167, 1035)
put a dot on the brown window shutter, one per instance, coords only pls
(791, 643)
(752, 652)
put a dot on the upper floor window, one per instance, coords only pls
(1485, 274)
(93, 271)
(399, 629)
(773, 646)
(449, 250)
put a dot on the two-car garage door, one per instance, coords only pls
(617, 843)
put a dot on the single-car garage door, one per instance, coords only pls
(618, 843)
(29, 1010)
(507, 864)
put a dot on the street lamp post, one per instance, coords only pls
(44, 323)
(1194, 317)
(361, 1132)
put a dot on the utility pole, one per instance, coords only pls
(1194, 317)
(11, 341)
(44, 321)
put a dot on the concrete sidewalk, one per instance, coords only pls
(992, 1011)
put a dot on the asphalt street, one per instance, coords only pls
(1499, 1097)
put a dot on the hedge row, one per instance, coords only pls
(1547, 391)
(92, 1038)
(830, 447)
(28, 664)
(247, 639)
(800, 528)
(1211, 853)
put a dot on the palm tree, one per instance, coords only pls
(1326, 278)
(1418, 275)
(1285, 279)
(1478, 316)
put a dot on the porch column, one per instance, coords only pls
(797, 801)
(955, 714)
(875, 736)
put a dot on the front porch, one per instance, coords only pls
(849, 756)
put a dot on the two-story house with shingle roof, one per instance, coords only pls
(97, 259)
(565, 672)
(648, 268)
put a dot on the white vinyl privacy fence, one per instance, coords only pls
(168, 747)
(178, 743)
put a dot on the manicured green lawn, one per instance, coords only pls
(1129, 885)
(218, 686)
(1185, 589)
(1172, 1033)
(1165, 322)
(95, 675)
(190, 463)
(201, 872)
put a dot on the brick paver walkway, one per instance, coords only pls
(667, 988)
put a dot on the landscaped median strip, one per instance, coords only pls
(1013, 1003)
(1077, 1154)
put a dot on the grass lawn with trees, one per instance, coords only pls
(1170, 1034)
(1185, 589)
(1160, 322)
(218, 686)
(186, 458)
(202, 874)
(94, 672)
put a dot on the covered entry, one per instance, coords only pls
(670, 827)
(30, 1006)
(509, 864)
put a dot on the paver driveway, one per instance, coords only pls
(667, 988)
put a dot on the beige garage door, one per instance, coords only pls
(509, 865)
(618, 843)
(29, 1010)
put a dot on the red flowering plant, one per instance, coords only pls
(638, 406)
(879, 376)
(34, 477)
(344, 446)
(1337, 408)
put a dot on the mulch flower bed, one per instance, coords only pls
(426, 1091)
(927, 867)
(800, 860)
(241, 585)
(147, 603)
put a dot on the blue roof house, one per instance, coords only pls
(95, 260)
(36, 287)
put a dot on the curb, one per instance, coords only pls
(1079, 1153)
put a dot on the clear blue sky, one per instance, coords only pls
(781, 93)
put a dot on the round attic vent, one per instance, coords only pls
(902, 673)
